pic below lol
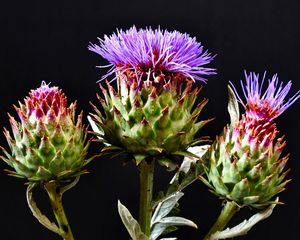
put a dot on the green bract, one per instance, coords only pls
(48, 143)
(247, 175)
(244, 162)
(158, 122)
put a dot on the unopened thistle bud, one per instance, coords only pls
(47, 143)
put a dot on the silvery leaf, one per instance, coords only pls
(233, 107)
(131, 224)
(178, 221)
(161, 226)
(38, 214)
(243, 228)
(190, 169)
(188, 161)
(165, 207)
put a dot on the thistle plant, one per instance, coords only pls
(245, 164)
(48, 147)
(151, 116)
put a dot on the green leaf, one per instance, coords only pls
(233, 107)
(131, 224)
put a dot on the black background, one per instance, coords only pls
(41, 40)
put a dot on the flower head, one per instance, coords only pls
(245, 168)
(146, 54)
(269, 104)
(245, 163)
(47, 143)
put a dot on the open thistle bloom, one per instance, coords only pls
(152, 113)
(154, 55)
(245, 164)
(47, 143)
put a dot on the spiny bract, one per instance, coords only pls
(245, 165)
(148, 123)
(47, 143)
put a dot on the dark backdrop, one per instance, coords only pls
(41, 40)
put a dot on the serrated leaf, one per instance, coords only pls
(243, 228)
(233, 107)
(130, 223)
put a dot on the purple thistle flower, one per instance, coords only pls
(269, 104)
(146, 54)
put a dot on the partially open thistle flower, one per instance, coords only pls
(47, 143)
(152, 113)
(266, 105)
(245, 164)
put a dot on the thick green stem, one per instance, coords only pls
(226, 214)
(146, 186)
(55, 196)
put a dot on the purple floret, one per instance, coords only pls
(268, 104)
(150, 53)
